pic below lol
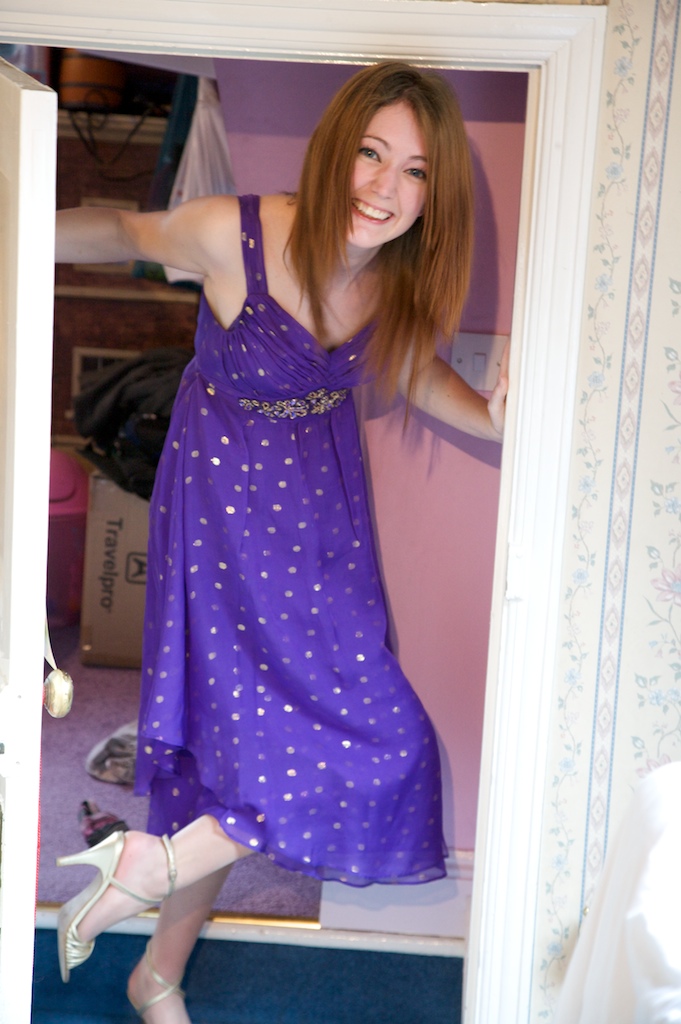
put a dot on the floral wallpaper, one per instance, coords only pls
(659, 693)
(617, 706)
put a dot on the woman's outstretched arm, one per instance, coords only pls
(190, 237)
(442, 393)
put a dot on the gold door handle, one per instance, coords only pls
(58, 687)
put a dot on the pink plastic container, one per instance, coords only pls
(66, 539)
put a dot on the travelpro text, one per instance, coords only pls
(109, 574)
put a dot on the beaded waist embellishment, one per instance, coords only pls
(315, 403)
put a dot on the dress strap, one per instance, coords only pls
(251, 242)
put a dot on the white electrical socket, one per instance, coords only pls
(477, 357)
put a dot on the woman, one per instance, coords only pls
(274, 717)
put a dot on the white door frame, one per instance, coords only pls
(27, 194)
(562, 47)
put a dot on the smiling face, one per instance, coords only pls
(388, 188)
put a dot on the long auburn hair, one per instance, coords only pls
(424, 273)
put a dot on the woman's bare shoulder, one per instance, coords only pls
(276, 219)
(277, 211)
(217, 222)
(278, 204)
(220, 226)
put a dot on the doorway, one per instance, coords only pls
(436, 535)
(562, 51)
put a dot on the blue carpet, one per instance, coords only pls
(255, 983)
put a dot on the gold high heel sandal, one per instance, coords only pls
(168, 989)
(105, 857)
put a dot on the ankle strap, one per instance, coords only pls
(172, 875)
(167, 988)
(172, 867)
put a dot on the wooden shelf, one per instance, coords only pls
(114, 128)
(78, 291)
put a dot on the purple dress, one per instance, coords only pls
(269, 697)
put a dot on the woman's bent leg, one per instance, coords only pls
(200, 849)
(180, 921)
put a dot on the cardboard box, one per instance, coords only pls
(115, 576)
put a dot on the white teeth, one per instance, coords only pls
(370, 211)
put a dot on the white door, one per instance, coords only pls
(27, 200)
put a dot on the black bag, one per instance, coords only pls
(125, 410)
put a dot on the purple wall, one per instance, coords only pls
(435, 491)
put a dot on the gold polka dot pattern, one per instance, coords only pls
(270, 698)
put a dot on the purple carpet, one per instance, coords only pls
(106, 699)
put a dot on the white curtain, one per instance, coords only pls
(626, 967)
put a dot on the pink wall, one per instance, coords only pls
(435, 491)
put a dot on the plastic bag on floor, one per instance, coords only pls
(113, 760)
